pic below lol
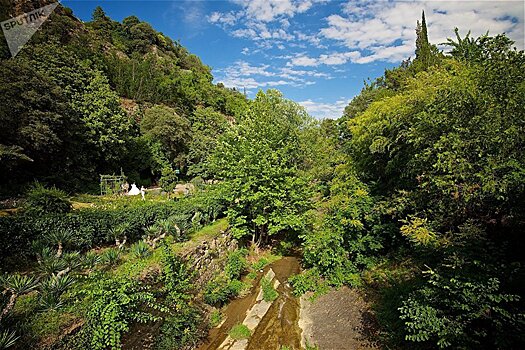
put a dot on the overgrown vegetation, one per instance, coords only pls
(239, 331)
(431, 169)
(416, 193)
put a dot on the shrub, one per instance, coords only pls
(236, 264)
(260, 264)
(461, 311)
(235, 287)
(41, 200)
(176, 276)
(217, 291)
(181, 331)
(239, 331)
(269, 293)
(140, 250)
(215, 318)
(308, 281)
(110, 257)
(114, 305)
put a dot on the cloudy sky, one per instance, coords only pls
(318, 52)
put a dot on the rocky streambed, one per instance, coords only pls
(273, 324)
(338, 320)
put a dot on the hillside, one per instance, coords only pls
(397, 226)
(66, 101)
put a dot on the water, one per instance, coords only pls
(279, 327)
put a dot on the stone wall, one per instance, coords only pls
(209, 257)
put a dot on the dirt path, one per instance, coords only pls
(338, 320)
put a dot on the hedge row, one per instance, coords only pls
(91, 227)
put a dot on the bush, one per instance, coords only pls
(217, 291)
(215, 318)
(269, 293)
(114, 305)
(140, 250)
(308, 281)
(235, 288)
(41, 201)
(181, 331)
(239, 331)
(236, 264)
(220, 289)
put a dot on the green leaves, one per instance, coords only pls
(259, 160)
(114, 304)
(18, 284)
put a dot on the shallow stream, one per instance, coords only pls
(279, 327)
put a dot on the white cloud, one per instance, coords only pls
(385, 30)
(324, 110)
(228, 18)
(303, 61)
(331, 59)
(245, 75)
(265, 21)
(269, 10)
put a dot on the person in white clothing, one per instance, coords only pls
(134, 190)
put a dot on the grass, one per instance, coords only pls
(212, 230)
(215, 318)
(269, 293)
(266, 259)
(239, 331)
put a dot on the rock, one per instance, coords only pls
(269, 275)
(240, 344)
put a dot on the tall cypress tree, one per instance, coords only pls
(422, 45)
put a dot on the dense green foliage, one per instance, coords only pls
(95, 98)
(417, 193)
(440, 141)
(91, 227)
(260, 161)
(40, 201)
(423, 176)
(227, 285)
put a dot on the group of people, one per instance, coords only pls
(134, 190)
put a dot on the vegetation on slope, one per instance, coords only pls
(416, 194)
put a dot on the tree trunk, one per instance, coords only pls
(10, 304)
(59, 250)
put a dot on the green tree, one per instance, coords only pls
(163, 124)
(259, 159)
(207, 126)
(108, 126)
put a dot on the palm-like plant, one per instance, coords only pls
(140, 250)
(16, 285)
(165, 226)
(111, 257)
(152, 231)
(51, 265)
(56, 284)
(467, 48)
(89, 260)
(52, 289)
(119, 232)
(7, 339)
(60, 238)
(44, 253)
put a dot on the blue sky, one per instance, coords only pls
(317, 52)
